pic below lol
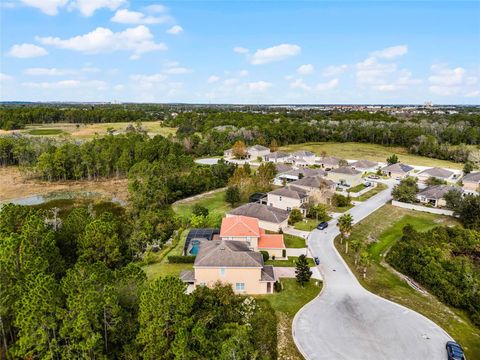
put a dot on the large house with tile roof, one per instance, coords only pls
(269, 218)
(288, 198)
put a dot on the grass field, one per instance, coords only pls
(292, 260)
(371, 152)
(88, 131)
(292, 241)
(215, 203)
(379, 188)
(385, 226)
(306, 225)
(286, 304)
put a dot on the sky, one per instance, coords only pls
(275, 52)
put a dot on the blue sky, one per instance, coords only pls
(241, 51)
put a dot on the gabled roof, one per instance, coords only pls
(303, 153)
(282, 168)
(364, 164)
(305, 172)
(398, 168)
(267, 273)
(437, 172)
(262, 212)
(329, 160)
(227, 253)
(239, 226)
(292, 192)
(346, 170)
(313, 182)
(437, 191)
(278, 155)
(271, 241)
(472, 177)
(258, 148)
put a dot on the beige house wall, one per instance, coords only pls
(397, 174)
(471, 186)
(249, 276)
(284, 203)
(352, 180)
(273, 226)
(253, 154)
(278, 253)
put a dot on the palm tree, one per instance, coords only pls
(365, 261)
(345, 224)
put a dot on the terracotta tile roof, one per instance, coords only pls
(227, 253)
(271, 241)
(239, 226)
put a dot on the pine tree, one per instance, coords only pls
(302, 270)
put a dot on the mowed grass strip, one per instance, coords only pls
(215, 203)
(372, 152)
(385, 226)
(45, 132)
(292, 241)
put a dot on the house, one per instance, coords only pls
(303, 158)
(257, 151)
(230, 262)
(397, 170)
(471, 183)
(288, 198)
(282, 168)
(297, 174)
(247, 229)
(365, 166)
(346, 176)
(278, 157)
(438, 173)
(329, 162)
(319, 189)
(434, 195)
(269, 218)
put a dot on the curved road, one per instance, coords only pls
(346, 322)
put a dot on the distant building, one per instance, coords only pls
(297, 174)
(434, 195)
(278, 157)
(303, 158)
(346, 176)
(258, 151)
(269, 218)
(319, 189)
(438, 173)
(328, 162)
(471, 183)
(288, 198)
(365, 166)
(397, 170)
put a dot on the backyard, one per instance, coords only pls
(214, 202)
(382, 229)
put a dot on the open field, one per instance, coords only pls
(214, 202)
(15, 184)
(88, 131)
(379, 188)
(383, 228)
(286, 304)
(371, 152)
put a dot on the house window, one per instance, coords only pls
(202, 284)
(280, 198)
(222, 271)
(240, 287)
(289, 208)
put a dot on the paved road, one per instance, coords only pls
(346, 322)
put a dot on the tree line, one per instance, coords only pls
(72, 291)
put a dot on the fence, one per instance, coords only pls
(422, 208)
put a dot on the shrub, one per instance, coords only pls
(265, 255)
(181, 259)
(295, 216)
(277, 286)
(341, 200)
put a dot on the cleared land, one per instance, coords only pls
(88, 131)
(15, 185)
(214, 202)
(371, 152)
(382, 229)
(286, 304)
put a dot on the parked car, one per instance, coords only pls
(367, 184)
(317, 260)
(454, 351)
(376, 177)
(322, 225)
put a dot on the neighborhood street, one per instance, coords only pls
(347, 322)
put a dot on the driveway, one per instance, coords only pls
(346, 322)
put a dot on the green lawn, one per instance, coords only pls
(156, 270)
(357, 188)
(292, 241)
(373, 152)
(45, 132)
(306, 224)
(292, 260)
(340, 209)
(286, 304)
(374, 191)
(214, 203)
(385, 225)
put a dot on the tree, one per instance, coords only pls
(264, 176)
(468, 168)
(342, 163)
(454, 199)
(239, 150)
(199, 210)
(265, 255)
(273, 145)
(295, 216)
(365, 262)
(345, 224)
(393, 159)
(302, 270)
(406, 191)
(340, 200)
(232, 195)
(469, 212)
(164, 313)
(318, 212)
(432, 181)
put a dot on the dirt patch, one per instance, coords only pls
(16, 184)
(287, 350)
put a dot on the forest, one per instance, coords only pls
(73, 292)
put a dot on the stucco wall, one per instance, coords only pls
(282, 202)
(273, 226)
(352, 180)
(249, 276)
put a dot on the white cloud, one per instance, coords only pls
(334, 70)
(46, 72)
(259, 85)
(177, 70)
(153, 78)
(125, 16)
(240, 50)
(472, 94)
(306, 69)
(139, 40)
(299, 84)
(156, 8)
(5, 77)
(49, 7)
(371, 72)
(243, 73)
(88, 7)
(332, 84)
(445, 81)
(119, 87)
(90, 69)
(390, 52)
(212, 79)
(175, 30)
(67, 84)
(230, 82)
(24, 51)
(274, 53)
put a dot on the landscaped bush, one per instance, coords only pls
(277, 286)
(341, 201)
(265, 255)
(181, 259)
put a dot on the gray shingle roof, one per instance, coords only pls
(290, 192)
(472, 177)
(267, 273)
(306, 172)
(228, 253)
(437, 172)
(313, 182)
(364, 164)
(437, 191)
(303, 153)
(398, 168)
(329, 160)
(187, 275)
(346, 170)
(258, 148)
(278, 155)
(262, 212)
(282, 168)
